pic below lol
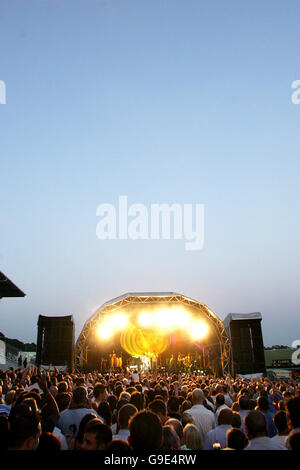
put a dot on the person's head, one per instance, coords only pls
(31, 403)
(236, 420)
(198, 396)
(125, 396)
(192, 437)
(80, 433)
(105, 412)
(100, 392)
(137, 399)
(220, 400)
(18, 410)
(244, 402)
(256, 424)
(280, 422)
(63, 400)
(150, 395)
(159, 407)
(225, 417)
(112, 401)
(96, 436)
(173, 405)
(187, 418)
(287, 395)
(79, 381)
(293, 412)
(219, 389)
(48, 442)
(9, 397)
(118, 390)
(185, 405)
(125, 414)
(236, 439)
(24, 432)
(293, 441)
(171, 439)
(80, 396)
(118, 446)
(176, 424)
(145, 431)
(62, 387)
(263, 404)
(24, 395)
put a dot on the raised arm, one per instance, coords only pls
(51, 402)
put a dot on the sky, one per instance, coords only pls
(163, 101)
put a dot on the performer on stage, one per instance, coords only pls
(113, 360)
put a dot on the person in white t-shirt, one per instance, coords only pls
(70, 418)
(124, 415)
(135, 376)
(220, 405)
(204, 418)
(256, 430)
(100, 393)
(280, 421)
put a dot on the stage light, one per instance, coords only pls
(119, 321)
(145, 319)
(163, 319)
(199, 330)
(180, 319)
(105, 331)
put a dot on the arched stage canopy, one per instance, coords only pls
(177, 319)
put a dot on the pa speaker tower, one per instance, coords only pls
(55, 341)
(247, 348)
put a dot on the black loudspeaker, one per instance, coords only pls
(55, 341)
(247, 348)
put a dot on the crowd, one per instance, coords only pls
(52, 410)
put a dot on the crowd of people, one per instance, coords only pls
(52, 410)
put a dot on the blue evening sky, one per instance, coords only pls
(163, 101)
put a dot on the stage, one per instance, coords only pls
(154, 331)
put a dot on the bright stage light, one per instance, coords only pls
(105, 331)
(145, 319)
(180, 319)
(163, 319)
(119, 321)
(199, 330)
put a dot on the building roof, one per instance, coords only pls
(8, 288)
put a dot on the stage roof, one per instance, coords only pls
(135, 294)
(8, 288)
